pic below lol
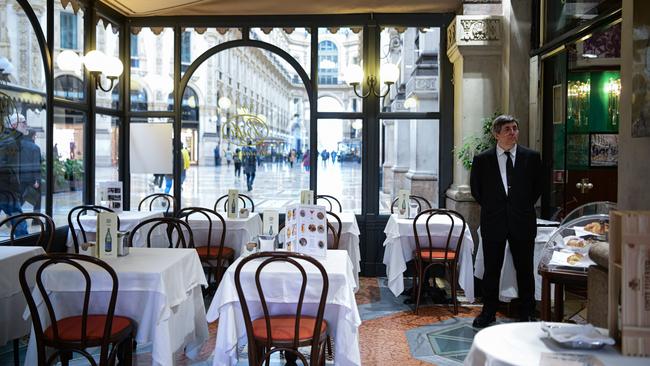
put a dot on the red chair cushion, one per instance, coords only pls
(70, 328)
(214, 251)
(284, 326)
(436, 254)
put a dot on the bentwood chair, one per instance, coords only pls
(419, 200)
(45, 228)
(167, 200)
(175, 232)
(330, 201)
(437, 250)
(246, 201)
(285, 332)
(213, 254)
(74, 216)
(113, 334)
(336, 231)
(45, 237)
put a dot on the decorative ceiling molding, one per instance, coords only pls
(139, 8)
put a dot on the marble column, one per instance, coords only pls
(422, 177)
(474, 47)
(389, 157)
(402, 146)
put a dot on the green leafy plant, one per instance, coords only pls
(74, 170)
(474, 145)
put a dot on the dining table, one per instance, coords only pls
(159, 288)
(399, 247)
(282, 284)
(128, 221)
(239, 230)
(349, 240)
(12, 300)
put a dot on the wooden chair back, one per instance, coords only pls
(245, 200)
(419, 200)
(330, 201)
(168, 199)
(271, 346)
(45, 228)
(171, 225)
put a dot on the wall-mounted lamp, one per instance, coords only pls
(224, 103)
(6, 69)
(97, 64)
(388, 74)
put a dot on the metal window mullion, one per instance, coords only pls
(313, 111)
(177, 168)
(90, 127)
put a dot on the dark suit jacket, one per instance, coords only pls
(507, 216)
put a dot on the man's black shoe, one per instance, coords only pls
(483, 321)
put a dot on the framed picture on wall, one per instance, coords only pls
(604, 150)
(558, 104)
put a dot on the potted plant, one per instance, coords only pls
(74, 173)
(474, 145)
(60, 181)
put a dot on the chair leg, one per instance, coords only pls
(419, 273)
(16, 343)
(454, 298)
(65, 356)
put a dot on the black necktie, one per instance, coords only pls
(509, 169)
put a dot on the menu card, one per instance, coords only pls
(306, 230)
(403, 203)
(107, 235)
(270, 223)
(306, 197)
(233, 203)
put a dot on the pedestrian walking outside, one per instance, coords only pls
(249, 154)
(237, 160)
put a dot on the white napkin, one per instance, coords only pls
(586, 333)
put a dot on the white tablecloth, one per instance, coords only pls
(508, 281)
(239, 231)
(159, 288)
(350, 240)
(281, 289)
(12, 300)
(400, 244)
(524, 343)
(128, 220)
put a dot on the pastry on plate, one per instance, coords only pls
(574, 258)
(576, 243)
(597, 227)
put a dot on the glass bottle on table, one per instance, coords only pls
(108, 241)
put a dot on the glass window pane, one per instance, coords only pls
(22, 119)
(201, 40)
(69, 174)
(296, 41)
(108, 41)
(68, 53)
(562, 15)
(106, 150)
(151, 172)
(408, 159)
(338, 50)
(415, 52)
(153, 72)
(248, 94)
(339, 161)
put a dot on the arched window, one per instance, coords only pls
(328, 63)
(69, 87)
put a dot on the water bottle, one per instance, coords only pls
(108, 241)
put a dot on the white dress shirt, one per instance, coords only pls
(501, 159)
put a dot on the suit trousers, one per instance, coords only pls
(522, 256)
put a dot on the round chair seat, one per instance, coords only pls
(70, 328)
(214, 252)
(425, 254)
(283, 328)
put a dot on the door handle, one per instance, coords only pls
(584, 185)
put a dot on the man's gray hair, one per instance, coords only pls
(15, 118)
(502, 120)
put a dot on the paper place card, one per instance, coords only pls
(109, 194)
(306, 230)
(403, 203)
(107, 235)
(270, 222)
(306, 197)
(233, 203)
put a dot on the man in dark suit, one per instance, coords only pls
(506, 183)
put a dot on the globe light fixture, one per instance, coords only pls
(97, 63)
(388, 74)
(410, 102)
(68, 60)
(224, 103)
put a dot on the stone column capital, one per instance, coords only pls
(474, 35)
